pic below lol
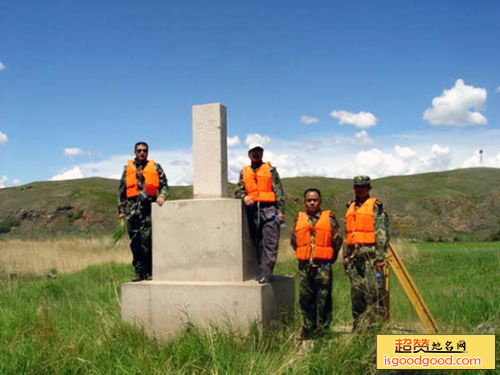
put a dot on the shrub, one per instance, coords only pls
(7, 224)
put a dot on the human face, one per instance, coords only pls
(255, 155)
(141, 153)
(362, 192)
(312, 202)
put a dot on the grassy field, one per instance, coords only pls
(70, 323)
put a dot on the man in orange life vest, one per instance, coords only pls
(317, 241)
(143, 182)
(260, 188)
(367, 237)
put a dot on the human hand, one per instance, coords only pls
(247, 201)
(121, 216)
(281, 217)
(160, 201)
(380, 263)
(345, 261)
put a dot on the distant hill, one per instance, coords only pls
(462, 204)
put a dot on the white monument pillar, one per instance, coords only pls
(209, 151)
(203, 258)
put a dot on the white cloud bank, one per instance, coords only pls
(497, 90)
(2, 66)
(264, 140)
(5, 182)
(486, 161)
(404, 152)
(316, 157)
(362, 120)
(454, 106)
(70, 174)
(305, 119)
(3, 138)
(233, 141)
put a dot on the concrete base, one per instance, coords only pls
(163, 308)
(202, 240)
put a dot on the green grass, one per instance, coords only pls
(71, 324)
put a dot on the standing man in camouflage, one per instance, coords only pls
(260, 188)
(317, 241)
(143, 182)
(367, 237)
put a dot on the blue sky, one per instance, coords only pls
(331, 88)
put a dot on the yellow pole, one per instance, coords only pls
(411, 290)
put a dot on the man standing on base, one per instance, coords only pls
(143, 182)
(260, 188)
(367, 237)
(317, 242)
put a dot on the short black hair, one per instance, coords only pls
(141, 143)
(312, 189)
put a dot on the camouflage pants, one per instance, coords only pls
(315, 297)
(265, 232)
(139, 231)
(367, 291)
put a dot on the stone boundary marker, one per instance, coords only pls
(203, 258)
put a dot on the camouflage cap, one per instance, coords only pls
(361, 181)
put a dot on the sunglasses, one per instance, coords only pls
(139, 150)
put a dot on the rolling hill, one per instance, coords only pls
(462, 204)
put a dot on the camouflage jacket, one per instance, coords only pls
(336, 236)
(129, 205)
(381, 222)
(277, 188)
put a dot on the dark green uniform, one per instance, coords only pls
(367, 282)
(137, 211)
(264, 224)
(316, 283)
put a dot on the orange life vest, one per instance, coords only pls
(151, 179)
(322, 229)
(259, 184)
(359, 224)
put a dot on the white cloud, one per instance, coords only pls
(362, 139)
(5, 182)
(377, 163)
(305, 119)
(264, 140)
(72, 151)
(454, 106)
(439, 160)
(497, 90)
(2, 66)
(487, 161)
(404, 152)
(362, 120)
(233, 141)
(70, 174)
(3, 138)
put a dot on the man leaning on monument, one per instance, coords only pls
(260, 188)
(317, 241)
(367, 237)
(143, 182)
